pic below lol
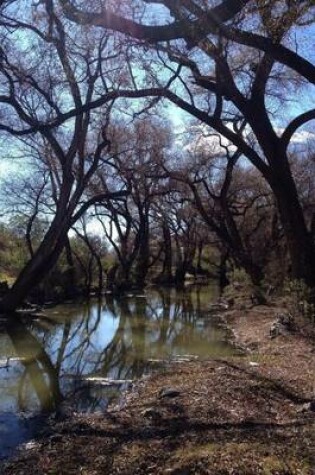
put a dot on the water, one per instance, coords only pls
(85, 354)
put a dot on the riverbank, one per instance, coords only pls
(250, 414)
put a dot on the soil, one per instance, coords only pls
(249, 414)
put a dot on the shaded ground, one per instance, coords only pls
(243, 415)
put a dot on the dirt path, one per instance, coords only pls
(244, 415)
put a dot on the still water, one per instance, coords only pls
(84, 354)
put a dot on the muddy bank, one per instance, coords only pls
(250, 414)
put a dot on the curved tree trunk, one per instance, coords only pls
(44, 258)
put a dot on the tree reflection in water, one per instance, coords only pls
(38, 368)
(98, 345)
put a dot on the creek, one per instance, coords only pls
(83, 355)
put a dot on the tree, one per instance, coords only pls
(28, 199)
(194, 21)
(227, 75)
(231, 201)
(66, 72)
(139, 156)
(96, 252)
(180, 234)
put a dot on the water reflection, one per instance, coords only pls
(38, 369)
(93, 349)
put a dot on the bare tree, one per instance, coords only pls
(139, 156)
(66, 73)
(227, 74)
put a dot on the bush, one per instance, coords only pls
(300, 298)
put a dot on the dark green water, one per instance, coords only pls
(92, 351)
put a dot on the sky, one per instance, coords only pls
(304, 39)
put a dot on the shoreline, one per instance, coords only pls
(244, 414)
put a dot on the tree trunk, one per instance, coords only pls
(199, 255)
(166, 276)
(44, 258)
(167, 263)
(180, 271)
(300, 244)
(299, 240)
(143, 259)
(122, 276)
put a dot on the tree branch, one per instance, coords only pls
(295, 124)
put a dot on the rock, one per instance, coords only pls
(312, 405)
(253, 363)
(169, 393)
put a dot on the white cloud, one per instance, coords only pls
(302, 136)
(201, 140)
